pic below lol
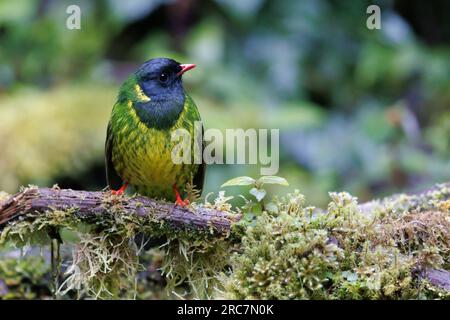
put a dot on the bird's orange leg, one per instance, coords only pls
(121, 190)
(179, 201)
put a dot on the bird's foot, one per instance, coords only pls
(182, 203)
(121, 191)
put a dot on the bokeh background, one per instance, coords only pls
(365, 111)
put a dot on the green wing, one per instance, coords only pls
(199, 177)
(112, 177)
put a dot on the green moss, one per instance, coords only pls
(284, 256)
(24, 278)
(345, 252)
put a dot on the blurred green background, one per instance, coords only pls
(366, 111)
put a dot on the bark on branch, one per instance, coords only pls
(94, 203)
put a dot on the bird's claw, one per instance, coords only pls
(121, 191)
(117, 192)
(182, 203)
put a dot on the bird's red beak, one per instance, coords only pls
(184, 68)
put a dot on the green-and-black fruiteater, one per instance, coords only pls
(151, 104)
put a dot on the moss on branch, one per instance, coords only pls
(394, 248)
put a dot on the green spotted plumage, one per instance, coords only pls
(139, 145)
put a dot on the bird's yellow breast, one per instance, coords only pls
(142, 156)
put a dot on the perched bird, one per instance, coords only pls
(150, 105)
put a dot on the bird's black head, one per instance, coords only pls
(162, 92)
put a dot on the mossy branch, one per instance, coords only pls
(88, 205)
(91, 204)
(393, 241)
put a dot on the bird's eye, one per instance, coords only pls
(163, 77)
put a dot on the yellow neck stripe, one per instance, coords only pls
(140, 94)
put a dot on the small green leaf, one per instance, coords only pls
(239, 181)
(258, 193)
(249, 216)
(350, 276)
(273, 180)
(271, 207)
